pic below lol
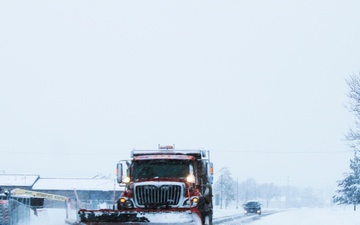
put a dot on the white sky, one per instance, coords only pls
(261, 83)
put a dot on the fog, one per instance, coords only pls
(259, 83)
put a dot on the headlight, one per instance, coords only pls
(126, 203)
(126, 180)
(190, 178)
(193, 200)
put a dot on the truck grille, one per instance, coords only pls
(156, 196)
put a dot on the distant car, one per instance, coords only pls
(252, 207)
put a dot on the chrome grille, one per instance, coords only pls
(157, 196)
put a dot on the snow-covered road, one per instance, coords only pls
(303, 216)
(312, 216)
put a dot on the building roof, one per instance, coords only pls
(18, 180)
(86, 184)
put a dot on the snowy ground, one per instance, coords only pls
(48, 217)
(218, 213)
(303, 216)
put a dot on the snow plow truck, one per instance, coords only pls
(162, 186)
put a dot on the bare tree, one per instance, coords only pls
(249, 190)
(225, 186)
(353, 136)
(268, 191)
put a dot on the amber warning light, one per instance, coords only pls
(166, 147)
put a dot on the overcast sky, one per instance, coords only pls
(260, 83)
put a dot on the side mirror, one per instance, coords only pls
(210, 172)
(119, 172)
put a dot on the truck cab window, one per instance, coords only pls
(144, 169)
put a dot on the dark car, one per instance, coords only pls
(252, 207)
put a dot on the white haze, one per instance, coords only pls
(259, 83)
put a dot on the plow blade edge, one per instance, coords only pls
(111, 217)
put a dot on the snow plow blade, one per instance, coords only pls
(114, 217)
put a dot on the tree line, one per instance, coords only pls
(230, 191)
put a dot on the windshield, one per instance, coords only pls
(252, 204)
(143, 169)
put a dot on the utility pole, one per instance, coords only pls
(287, 193)
(237, 193)
(221, 191)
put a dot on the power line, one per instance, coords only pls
(284, 152)
(224, 151)
(62, 153)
